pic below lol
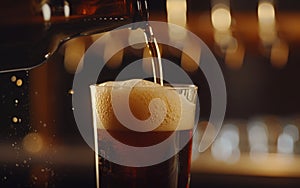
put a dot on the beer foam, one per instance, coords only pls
(179, 111)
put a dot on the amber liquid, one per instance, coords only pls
(172, 173)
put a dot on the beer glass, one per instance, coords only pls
(165, 167)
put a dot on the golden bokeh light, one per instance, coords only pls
(187, 63)
(74, 51)
(221, 17)
(13, 78)
(266, 13)
(71, 91)
(176, 10)
(266, 21)
(33, 143)
(19, 82)
(14, 120)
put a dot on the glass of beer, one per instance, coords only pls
(149, 146)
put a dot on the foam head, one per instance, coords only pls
(179, 111)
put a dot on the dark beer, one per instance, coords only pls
(172, 173)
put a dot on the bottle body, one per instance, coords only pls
(35, 29)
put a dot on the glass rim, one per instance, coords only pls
(168, 86)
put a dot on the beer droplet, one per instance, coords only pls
(19, 82)
(13, 78)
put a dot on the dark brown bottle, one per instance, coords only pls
(33, 29)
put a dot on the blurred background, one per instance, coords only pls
(256, 43)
